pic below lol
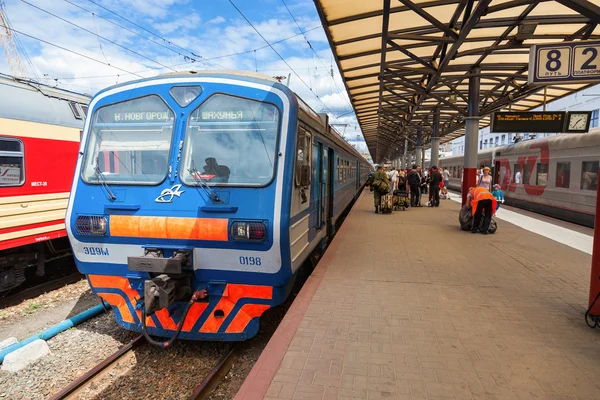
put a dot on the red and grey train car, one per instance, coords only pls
(40, 129)
(555, 176)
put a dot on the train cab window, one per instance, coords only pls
(541, 178)
(563, 175)
(303, 148)
(130, 142)
(589, 175)
(231, 141)
(517, 174)
(12, 162)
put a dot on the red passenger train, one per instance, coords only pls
(40, 129)
(555, 176)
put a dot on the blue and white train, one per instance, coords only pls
(197, 197)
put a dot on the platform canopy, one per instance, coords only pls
(403, 59)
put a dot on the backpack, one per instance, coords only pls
(382, 186)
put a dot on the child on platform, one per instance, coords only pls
(499, 195)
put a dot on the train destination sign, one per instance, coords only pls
(565, 62)
(528, 122)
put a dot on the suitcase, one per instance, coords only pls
(401, 201)
(387, 203)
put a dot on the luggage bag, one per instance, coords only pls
(465, 218)
(387, 203)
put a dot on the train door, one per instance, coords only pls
(329, 188)
(322, 191)
(496, 172)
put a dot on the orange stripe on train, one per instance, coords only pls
(244, 316)
(214, 229)
(231, 295)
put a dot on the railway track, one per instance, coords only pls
(93, 377)
(40, 289)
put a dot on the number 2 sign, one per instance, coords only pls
(565, 62)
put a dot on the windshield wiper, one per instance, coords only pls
(102, 181)
(203, 184)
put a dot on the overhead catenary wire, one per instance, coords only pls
(98, 36)
(133, 32)
(204, 59)
(279, 55)
(152, 33)
(314, 51)
(70, 51)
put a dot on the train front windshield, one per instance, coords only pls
(230, 141)
(130, 142)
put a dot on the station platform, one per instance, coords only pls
(408, 306)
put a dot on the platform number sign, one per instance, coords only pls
(565, 62)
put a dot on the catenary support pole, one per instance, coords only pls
(435, 139)
(471, 134)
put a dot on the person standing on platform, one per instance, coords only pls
(380, 182)
(446, 176)
(485, 179)
(394, 179)
(402, 181)
(498, 195)
(414, 181)
(434, 186)
(483, 205)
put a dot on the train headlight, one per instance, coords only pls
(91, 225)
(254, 231)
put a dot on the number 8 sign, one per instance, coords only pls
(565, 62)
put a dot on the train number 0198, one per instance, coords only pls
(250, 261)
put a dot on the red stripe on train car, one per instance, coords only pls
(40, 237)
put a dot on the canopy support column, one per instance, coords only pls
(435, 139)
(471, 134)
(404, 157)
(419, 148)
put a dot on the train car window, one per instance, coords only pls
(303, 148)
(136, 135)
(563, 175)
(517, 176)
(12, 162)
(231, 141)
(589, 175)
(541, 178)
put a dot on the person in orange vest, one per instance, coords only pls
(483, 204)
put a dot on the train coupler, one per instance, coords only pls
(162, 291)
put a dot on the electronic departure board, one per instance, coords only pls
(528, 122)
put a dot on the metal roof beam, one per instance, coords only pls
(428, 66)
(424, 38)
(583, 7)
(384, 40)
(429, 18)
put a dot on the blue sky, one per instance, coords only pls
(212, 33)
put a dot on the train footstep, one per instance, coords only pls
(21, 358)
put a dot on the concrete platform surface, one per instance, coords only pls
(407, 306)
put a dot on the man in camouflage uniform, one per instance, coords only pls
(378, 176)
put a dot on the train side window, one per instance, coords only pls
(563, 175)
(541, 178)
(589, 175)
(12, 162)
(303, 148)
(517, 176)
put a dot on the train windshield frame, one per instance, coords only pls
(130, 142)
(231, 141)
